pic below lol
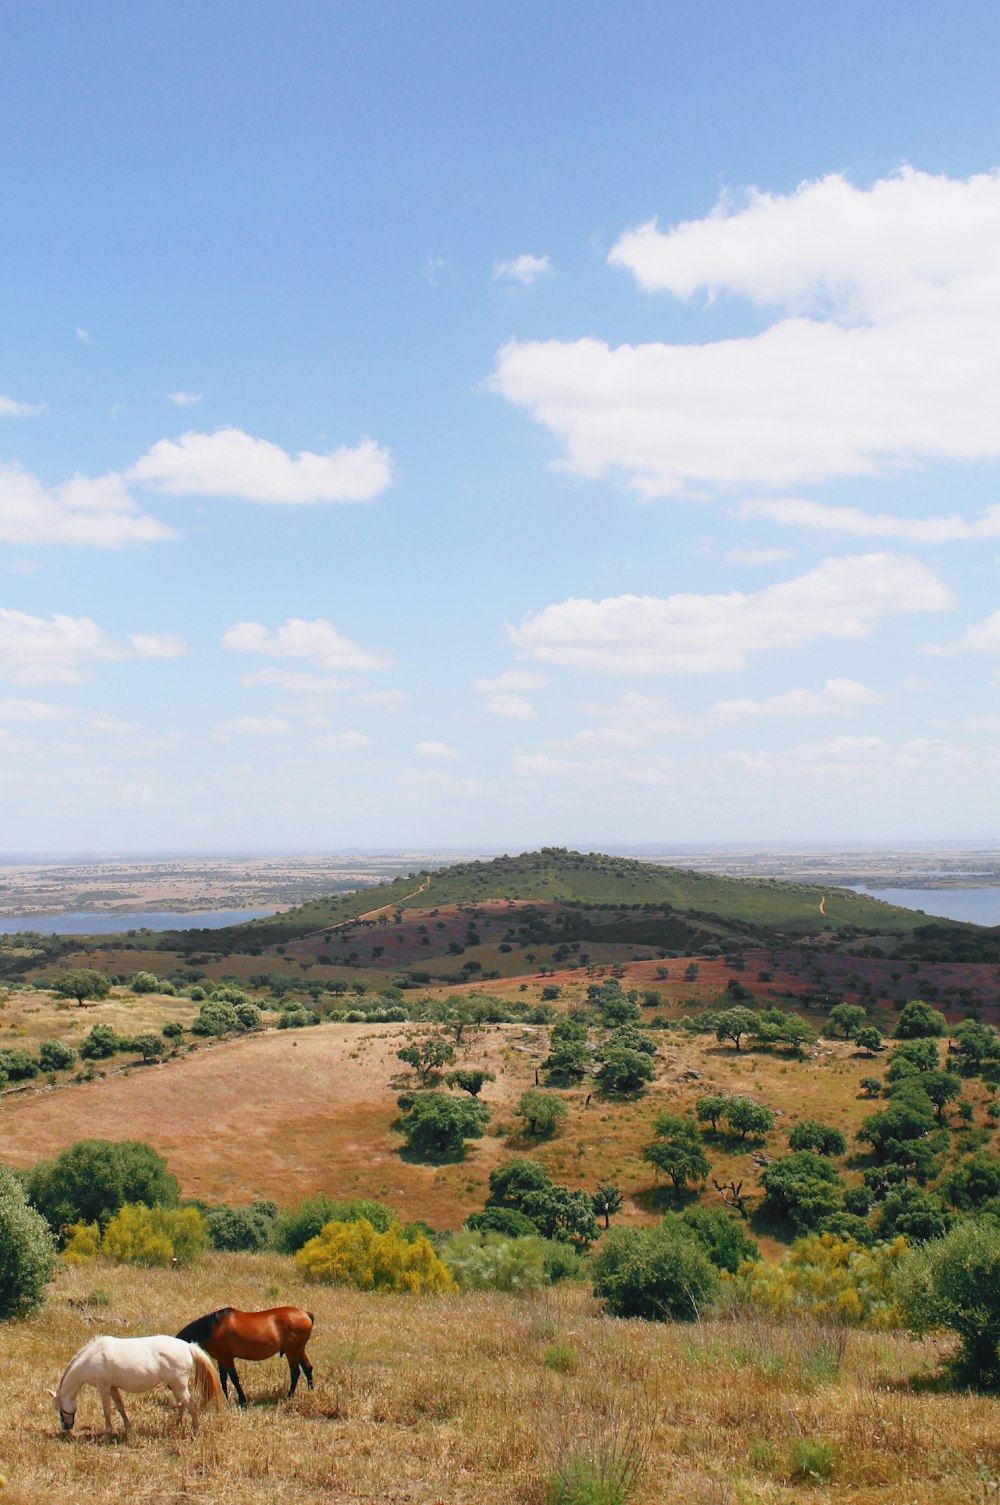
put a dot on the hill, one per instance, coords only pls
(555, 874)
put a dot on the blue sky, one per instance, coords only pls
(468, 425)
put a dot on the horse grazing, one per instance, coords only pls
(228, 1334)
(112, 1365)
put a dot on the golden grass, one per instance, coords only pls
(451, 1399)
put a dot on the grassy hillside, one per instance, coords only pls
(555, 874)
(481, 1398)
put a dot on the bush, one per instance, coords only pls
(92, 1179)
(355, 1254)
(248, 1016)
(484, 1261)
(100, 1043)
(27, 1251)
(828, 1278)
(659, 1273)
(18, 1065)
(217, 1016)
(437, 1126)
(625, 1071)
(810, 1134)
(300, 1018)
(234, 1229)
(955, 1283)
(723, 1238)
(919, 1021)
(541, 1111)
(138, 1235)
(53, 1055)
(802, 1188)
(503, 1220)
(144, 982)
(296, 1226)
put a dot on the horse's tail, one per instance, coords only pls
(205, 1381)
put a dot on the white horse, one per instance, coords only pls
(112, 1365)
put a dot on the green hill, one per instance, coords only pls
(592, 879)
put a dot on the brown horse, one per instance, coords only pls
(227, 1334)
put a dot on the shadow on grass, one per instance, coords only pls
(662, 1199)
(421, 1155)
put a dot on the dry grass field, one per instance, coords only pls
(477, 1400)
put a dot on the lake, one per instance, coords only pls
(112, 924)
(981, 906)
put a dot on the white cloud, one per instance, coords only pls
(158, 644)
(841, 598)
(384, 700)
(297, 682)
(649, 716)
(525, 269)
(511, 679)
(512, 707)
(885, 345)
(11, 408)
(757, 556)
(251, 726)
(433, 268)
(799, 513)
(435, 750)
(342, 741)
(984, 637)
(32, 711)
(318, 641)
(56, 651)
(184, 399)
(232, 463)
(82, 336)
(86, 511)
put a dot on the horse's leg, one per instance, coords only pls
(182, 1395)
(116, 1396)
(236, 1381)
(105, 1394)
(224, 1378)
(294, 1366)
(307, 1369)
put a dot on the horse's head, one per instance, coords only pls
(68, 1418)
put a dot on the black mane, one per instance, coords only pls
(202, 1328)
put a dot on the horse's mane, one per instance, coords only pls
(202, 1328)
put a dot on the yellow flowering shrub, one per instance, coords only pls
(138, 1235)
(827, 1277)
(354, 1254)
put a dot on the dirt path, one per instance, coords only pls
(369, 914)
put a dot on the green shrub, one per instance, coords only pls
(802, 1188)
(810, 1134)
(217, 1016)
(144, 982)
(240, 1228)
(296, 1226)
(437, 1125)
(248, 1016)
(562, 1358)
(53, 1055)
(505, 1220)
(659, 1273)
(954, 1283)
(27, 1251)
(100, 1043)
(812, 1462)
(490, 1262)
(92, 1179)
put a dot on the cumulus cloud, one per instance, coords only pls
(435, 750)
(799, 513)
(297, 682)
(511, 707)
(86, 512)
(158, 644)
(511, 679)
(32, 711)
(525, 269)
(184, 399)
(317, 641)
(755, 557)
(648, 716)
(984, 637)
(884, 345)
(841, 598)
(342, 741)
(11, 408)
(251, 726)
(230, 462)
(62, 649)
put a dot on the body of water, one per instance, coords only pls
(112, 924)
(981, 906)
